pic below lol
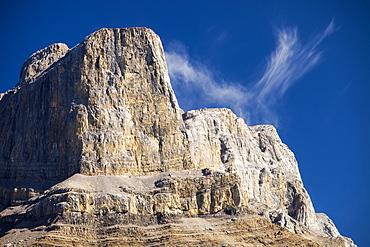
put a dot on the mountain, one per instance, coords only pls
(95, 151)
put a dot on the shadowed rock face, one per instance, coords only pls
(37, 126)
(102, 124)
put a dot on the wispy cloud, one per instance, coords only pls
(198, 86)
(289, 62)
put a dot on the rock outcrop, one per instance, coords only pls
(93, 143)
(267, 168)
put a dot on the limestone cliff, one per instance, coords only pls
(95, 147)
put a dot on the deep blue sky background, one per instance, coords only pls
(323, 116)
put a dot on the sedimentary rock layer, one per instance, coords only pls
(92, 140)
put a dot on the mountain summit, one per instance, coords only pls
(95, 151)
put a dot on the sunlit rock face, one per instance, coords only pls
(103, 107)
(267, 168)
(92, 138)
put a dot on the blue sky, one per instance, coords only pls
(303, 66)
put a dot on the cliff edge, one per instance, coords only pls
(95, 151)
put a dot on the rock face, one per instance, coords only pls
(105, 107)
(267, 168)
(93, 138)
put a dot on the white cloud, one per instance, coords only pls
(255, 102)
(188, 76)
(289, 62)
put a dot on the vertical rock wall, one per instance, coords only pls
(132, 122)
(37, 119)
(104, 107)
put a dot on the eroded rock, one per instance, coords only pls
(102, 124)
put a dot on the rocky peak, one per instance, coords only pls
(41, 61)
(93, 140)
(104, 107)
